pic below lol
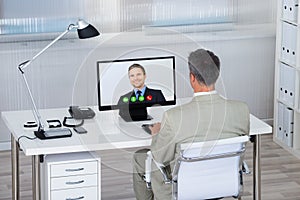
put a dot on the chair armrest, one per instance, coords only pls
(164, 173)
(147, 177)
(148, 170)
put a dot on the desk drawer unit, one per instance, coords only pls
(72, 176)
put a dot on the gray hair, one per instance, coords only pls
(205, 66)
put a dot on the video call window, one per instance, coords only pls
(115, 88)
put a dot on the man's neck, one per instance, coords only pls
(140, 88)
(204, 88)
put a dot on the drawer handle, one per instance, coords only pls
(78, 198)
(74, 170)
(74, 183)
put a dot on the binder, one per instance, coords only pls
(288, 43)
(287, 84)
(290, 10)
(284, 43)
(281, 82)
(280, 121)
(292, 43)
(288, 123)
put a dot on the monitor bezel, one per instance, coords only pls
(115, 107)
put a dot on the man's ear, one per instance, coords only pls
(192, 80)
(192, 77)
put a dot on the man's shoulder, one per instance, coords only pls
(127, 94)
(191, 105)
(228, 102)
(180, 108)
(153, 90)
(237, 103)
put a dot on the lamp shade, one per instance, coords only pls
(86, 30)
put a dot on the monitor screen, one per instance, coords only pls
(131, 85)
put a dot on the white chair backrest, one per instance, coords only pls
(210, 178)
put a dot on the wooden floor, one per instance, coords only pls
(280, 174)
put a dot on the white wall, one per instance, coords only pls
(256, 11)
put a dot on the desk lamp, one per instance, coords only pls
(84, 30)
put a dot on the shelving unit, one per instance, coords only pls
(287, 78)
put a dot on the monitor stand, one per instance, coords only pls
(134, 114)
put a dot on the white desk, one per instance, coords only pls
(105, 131)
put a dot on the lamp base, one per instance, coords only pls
(52, 134)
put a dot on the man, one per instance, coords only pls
(132, 105)
(140, 93)
(207, 117)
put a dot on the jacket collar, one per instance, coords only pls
(205, 93)
(207, 97)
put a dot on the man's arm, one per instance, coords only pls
(160, 96)
(163, 146)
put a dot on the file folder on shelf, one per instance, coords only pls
(290, 10)
(288, 123)
(288, 43)
(280, 122)
(287, 84)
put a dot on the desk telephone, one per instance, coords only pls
(81, 112)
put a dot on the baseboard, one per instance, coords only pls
(4, 146)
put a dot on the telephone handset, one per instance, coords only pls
(81, 112)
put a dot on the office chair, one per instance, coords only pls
(205, 170)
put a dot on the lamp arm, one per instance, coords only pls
(36, 112)
(25, 64)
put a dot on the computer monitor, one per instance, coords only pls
(116, 85)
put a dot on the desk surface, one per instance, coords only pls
(106, 131)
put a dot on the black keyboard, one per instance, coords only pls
(146, 128)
